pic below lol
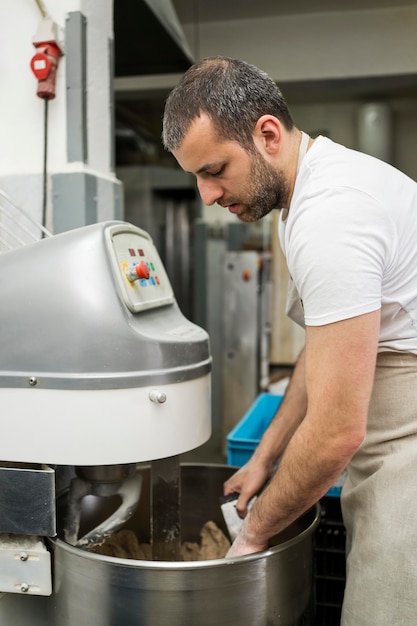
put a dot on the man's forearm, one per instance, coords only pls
(307, 470)
(309, 466)
(339, 372)
(251, 478)
(289, 416)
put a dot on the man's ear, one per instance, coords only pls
(267, 134)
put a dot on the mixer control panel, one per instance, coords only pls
(138, 268)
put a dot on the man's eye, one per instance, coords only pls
(218, 172)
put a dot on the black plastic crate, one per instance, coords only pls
(330, 566)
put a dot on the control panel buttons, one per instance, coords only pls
(139, 271)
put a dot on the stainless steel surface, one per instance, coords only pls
(69, 326)
(105, 473)
(84, 344)
(101, 481)
(25, 566)
(128, 489)
(27, 499)
(232, 520)
(267, 589)
(241, 336)
(166, 509)
(84, 352)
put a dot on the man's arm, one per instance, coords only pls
(339, 372)
(250, 478)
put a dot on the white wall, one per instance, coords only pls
(317, 45)
(21, 130)
(22, 111)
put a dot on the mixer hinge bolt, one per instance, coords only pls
(157, 396)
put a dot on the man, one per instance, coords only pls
(348, 228)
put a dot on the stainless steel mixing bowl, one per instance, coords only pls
(274, 587)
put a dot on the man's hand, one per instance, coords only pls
(244, 545)
(247, 482)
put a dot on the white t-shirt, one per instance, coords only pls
(350, 240)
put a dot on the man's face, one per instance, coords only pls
(242, 181)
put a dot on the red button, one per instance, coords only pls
(142, 270)
(246, 275)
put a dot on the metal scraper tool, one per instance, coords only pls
(230, 514)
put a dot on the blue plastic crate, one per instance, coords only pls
(336, 489)
(245, 436)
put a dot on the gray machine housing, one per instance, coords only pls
(66, 323)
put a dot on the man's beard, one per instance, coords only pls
(267, 190)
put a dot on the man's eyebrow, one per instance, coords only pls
(208, 166)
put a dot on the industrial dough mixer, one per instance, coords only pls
(100, 371)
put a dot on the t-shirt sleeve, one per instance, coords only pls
(340, 245)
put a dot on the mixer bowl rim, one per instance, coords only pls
(190, 565)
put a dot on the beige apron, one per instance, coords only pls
(379, 503)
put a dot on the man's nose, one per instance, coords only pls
(210, 191)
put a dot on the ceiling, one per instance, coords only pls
(143, 46)
(219, 10)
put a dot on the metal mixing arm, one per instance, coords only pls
(129, 490)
